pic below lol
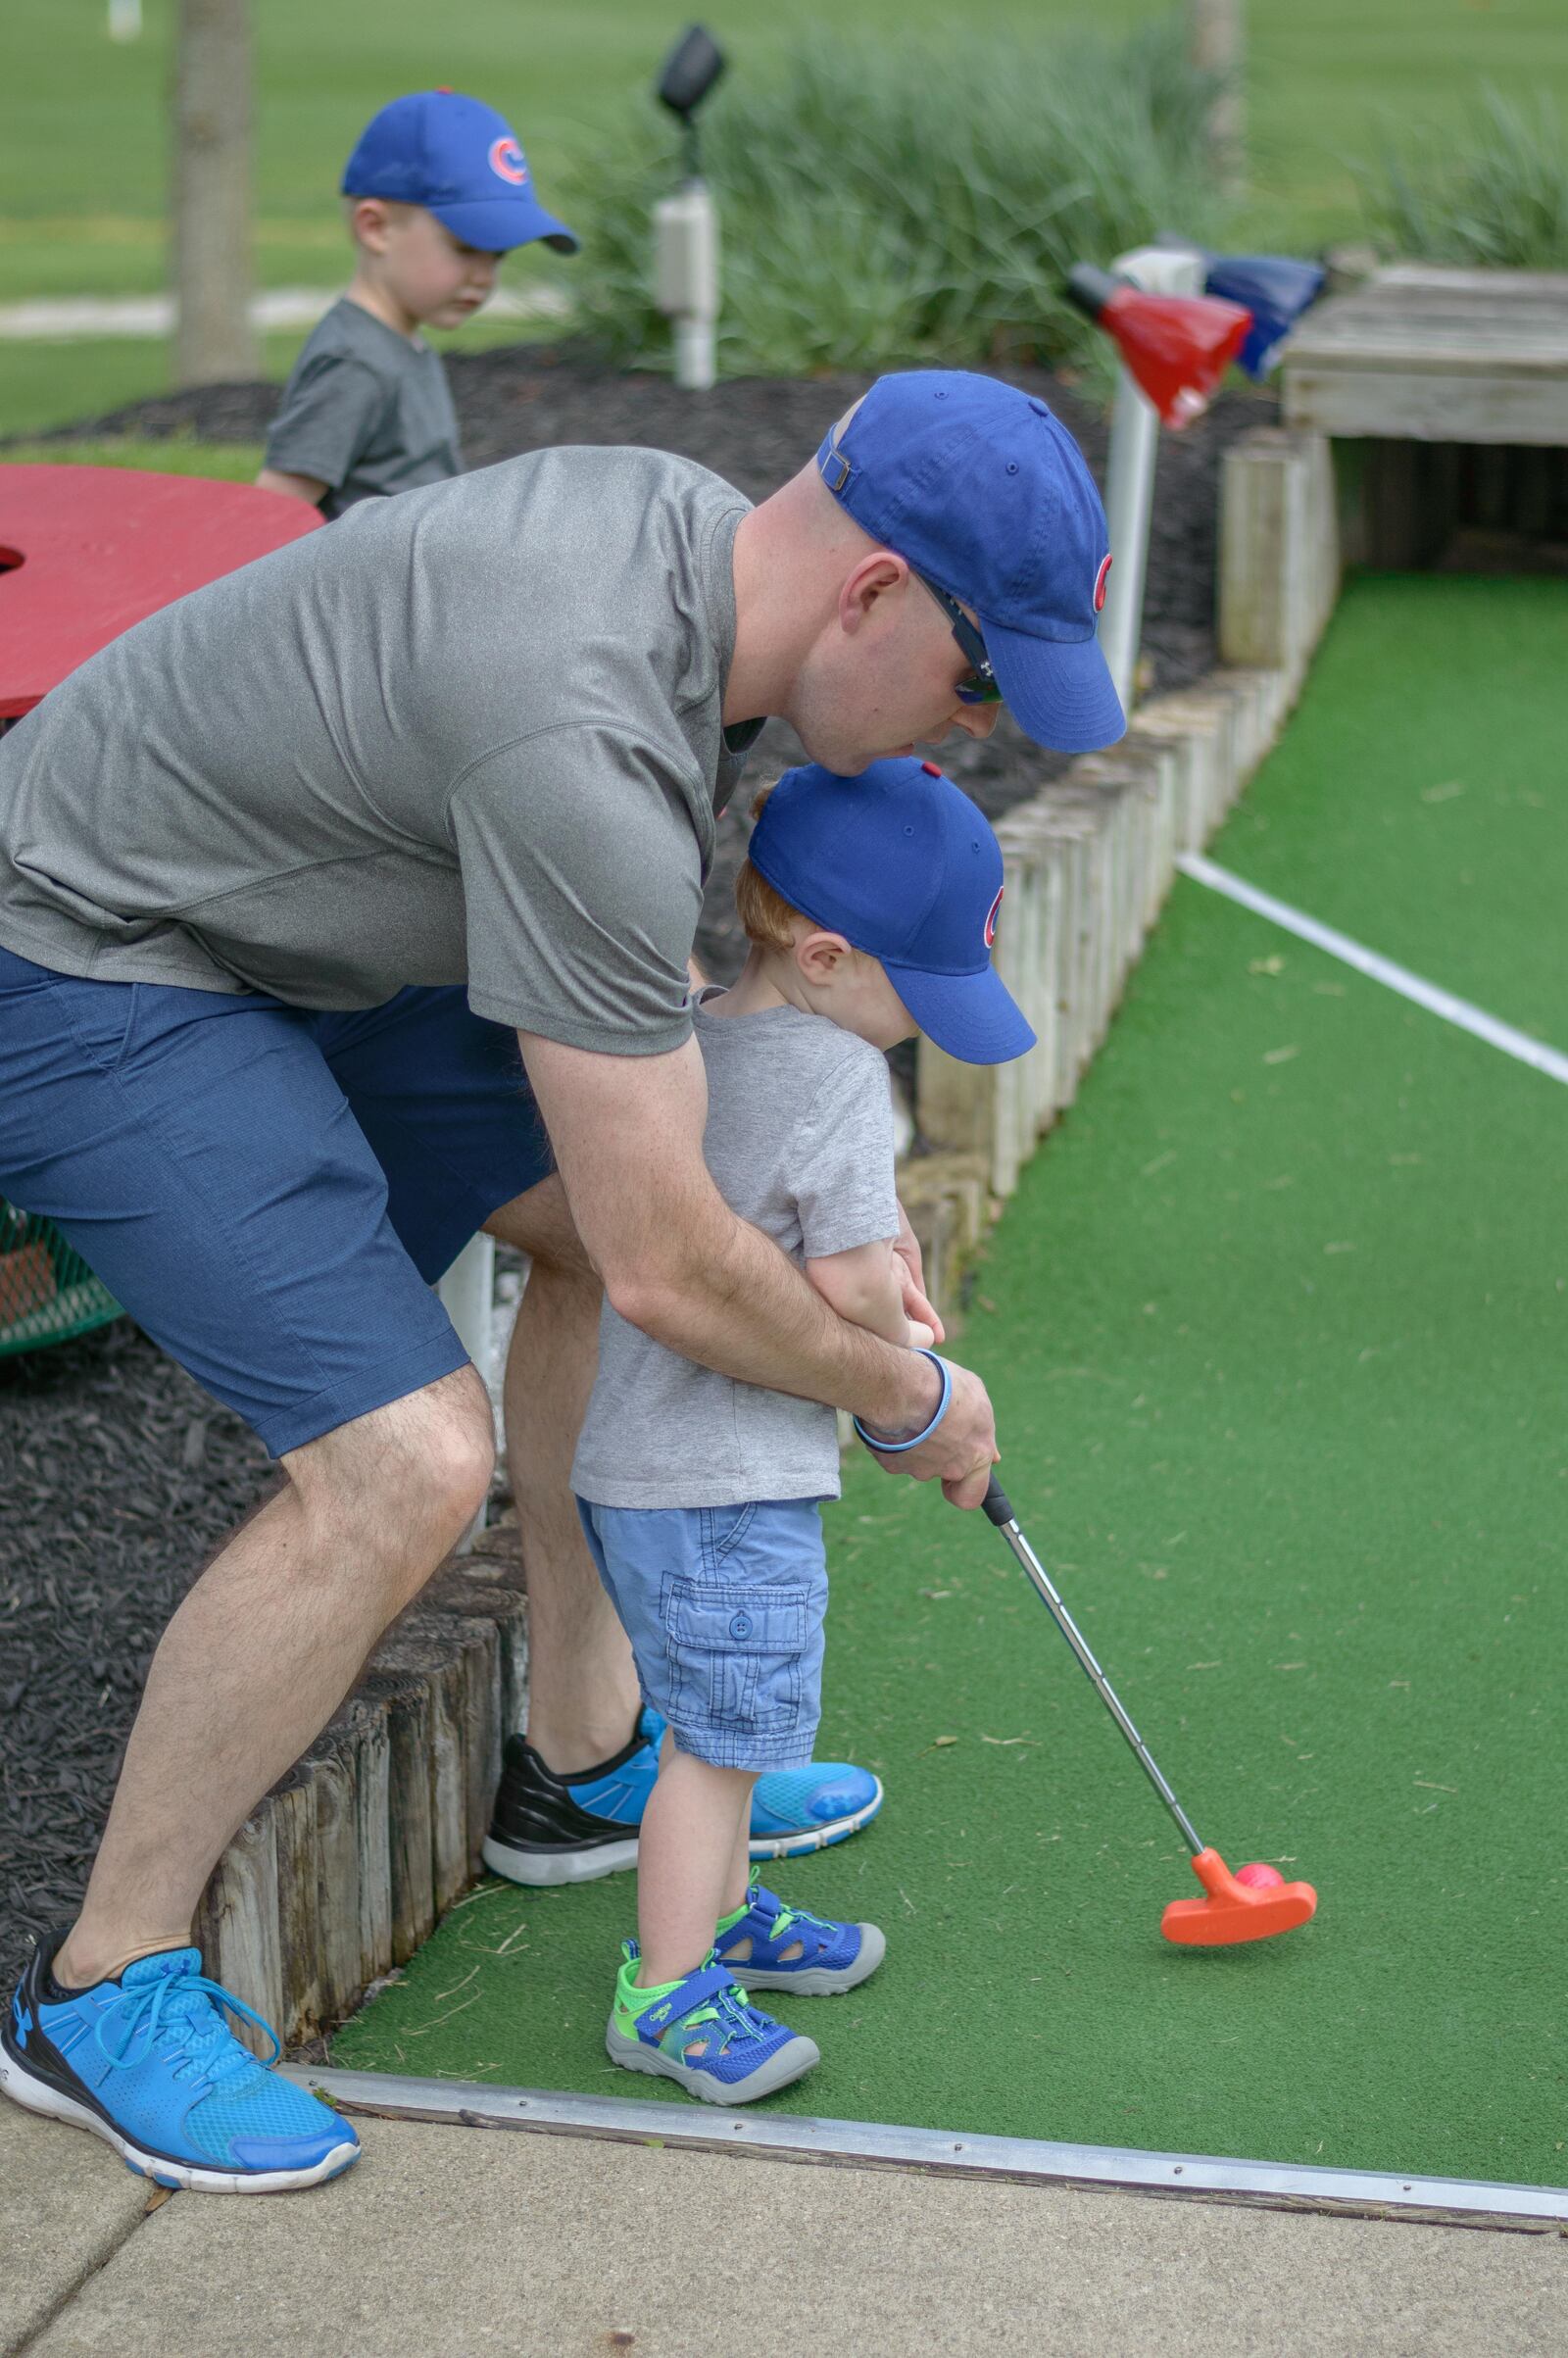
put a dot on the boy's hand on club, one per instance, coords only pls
(917, 1308)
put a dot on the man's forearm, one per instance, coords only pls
(745, 1308)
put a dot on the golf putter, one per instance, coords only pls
(1252, 1904)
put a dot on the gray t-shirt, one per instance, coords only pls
(800, 1142)
(366, 411)
(471, 734)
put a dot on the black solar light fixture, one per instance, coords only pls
(685, 78)
(686, 225)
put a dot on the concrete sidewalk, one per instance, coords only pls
(443, 2243)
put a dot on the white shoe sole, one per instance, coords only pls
(540, 1867)
(818, 1982)
(36, 2095)
(791, 2062)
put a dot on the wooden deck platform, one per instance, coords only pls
(1431, 354)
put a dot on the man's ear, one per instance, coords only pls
(876, 574)
(819, 955)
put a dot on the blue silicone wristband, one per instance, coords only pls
(891, 1448)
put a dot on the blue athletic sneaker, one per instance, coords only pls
(149, 2064)
(772, 1946)
(548, 1829)
(703, 2032)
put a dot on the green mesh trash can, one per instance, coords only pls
(47, 1292)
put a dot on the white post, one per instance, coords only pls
(686, 280)
(468, 1295)
(124, 20)
(1130, 473)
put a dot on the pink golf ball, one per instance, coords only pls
(1258, 1876)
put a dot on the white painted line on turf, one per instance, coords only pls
(1430, 996)
(1296, 2185)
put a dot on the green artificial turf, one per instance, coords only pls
(1275, 1332)
(1416, 801)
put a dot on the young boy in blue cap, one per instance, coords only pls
(870, 906)
(437, 190)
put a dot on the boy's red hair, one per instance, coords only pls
(767, 918)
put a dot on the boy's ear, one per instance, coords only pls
(819, 955)
(369, 221)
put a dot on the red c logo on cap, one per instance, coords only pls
(991, 916)
(1100, 585)
(507, 160)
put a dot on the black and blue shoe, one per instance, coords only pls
(770, 1946)
(149, 2064)
(548, 1829)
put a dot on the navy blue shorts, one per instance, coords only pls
(271, 1192)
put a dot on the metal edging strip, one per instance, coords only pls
(785, 2135)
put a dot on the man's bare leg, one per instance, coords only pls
(265, 1647)
(582, 1684)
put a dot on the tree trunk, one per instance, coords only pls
(210, 121)
(1216, 43)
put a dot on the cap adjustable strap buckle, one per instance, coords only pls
(829, 458)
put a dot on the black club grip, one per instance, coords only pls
(995, 1504)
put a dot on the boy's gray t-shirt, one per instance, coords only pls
(800, 1142)
(474, 734)
(366, 411)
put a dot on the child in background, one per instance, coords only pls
(870, 906)
(437, 190)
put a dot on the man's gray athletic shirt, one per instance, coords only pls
(470, 734)
(366, 411)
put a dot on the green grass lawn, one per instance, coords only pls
(169, 454)
(1274, 1328)
(1323, 78)
(1323, 75)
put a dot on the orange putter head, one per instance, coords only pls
(1254, 1904)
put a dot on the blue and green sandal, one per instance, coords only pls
(778, 1947)
(702, 2031)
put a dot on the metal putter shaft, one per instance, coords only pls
(1232, 1909)
(999, 1512)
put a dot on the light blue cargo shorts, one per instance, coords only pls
(724, 1608)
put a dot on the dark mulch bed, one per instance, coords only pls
(118, 1476)
(117, 1473)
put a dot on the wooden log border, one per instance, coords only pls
(341, 1871)
(1089, 860)
(353, 1857)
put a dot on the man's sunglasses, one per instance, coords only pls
(979, 683)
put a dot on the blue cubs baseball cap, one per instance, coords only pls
(462, 162)
(977, 487)
(900, 862)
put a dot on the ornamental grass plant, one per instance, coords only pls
(884, 205)
(1497, 198)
